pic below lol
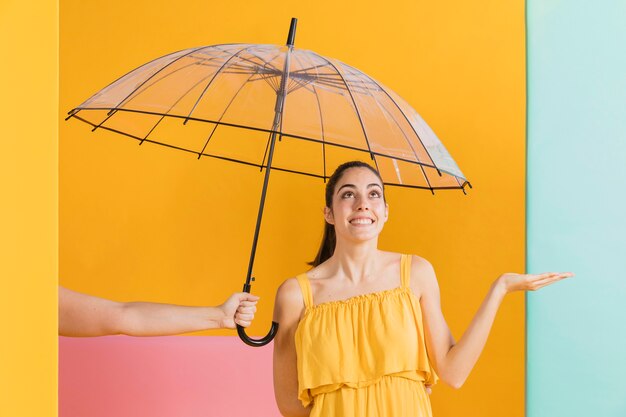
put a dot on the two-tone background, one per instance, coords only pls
(528, 98)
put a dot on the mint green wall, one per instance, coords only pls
(576, 207)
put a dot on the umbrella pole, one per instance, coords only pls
(278, 112)
(249, 278)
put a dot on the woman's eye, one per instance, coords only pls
(375, 194)
(347, 194)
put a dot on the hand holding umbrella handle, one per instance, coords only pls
(241, 331)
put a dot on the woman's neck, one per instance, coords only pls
(355, 262)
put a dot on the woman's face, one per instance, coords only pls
(358, 210)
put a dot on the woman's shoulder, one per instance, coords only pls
(419, 263)
(423, 278)
(289, 302)
(289, 290)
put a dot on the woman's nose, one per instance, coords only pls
(362, 204)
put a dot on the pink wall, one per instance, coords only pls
(119, 376)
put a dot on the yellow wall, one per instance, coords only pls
(28, 213)
(154, 224)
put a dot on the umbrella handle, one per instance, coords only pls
(257, 342)
(241, 331)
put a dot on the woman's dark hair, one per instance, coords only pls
(327, 247)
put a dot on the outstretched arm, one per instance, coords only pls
(454, 360)
(288, 309)
(86, 315)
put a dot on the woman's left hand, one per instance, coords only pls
(530, 282)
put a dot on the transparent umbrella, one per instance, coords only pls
(274, 108)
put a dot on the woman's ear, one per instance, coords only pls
(328, 216)
(386, 211)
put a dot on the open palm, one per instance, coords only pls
(531, 282)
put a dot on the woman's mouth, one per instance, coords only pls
(362, 221)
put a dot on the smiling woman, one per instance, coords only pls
(329, 239)
(362, 333)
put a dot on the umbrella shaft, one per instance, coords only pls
(278, 113)
(257, 229)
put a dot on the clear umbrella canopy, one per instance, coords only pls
(331, 113)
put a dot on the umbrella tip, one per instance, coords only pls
(292, 32)
(71, 113)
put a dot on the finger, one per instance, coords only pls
(244, 296)
(534, 277)
(246, 317)
(243, 323)
(549, 277)
(247, 303)
(552, 274)
(246, 310)
(557, 277)
(547, 281)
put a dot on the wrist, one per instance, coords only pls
(499, 287)
(217, 317)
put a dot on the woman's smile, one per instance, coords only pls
(362, 221)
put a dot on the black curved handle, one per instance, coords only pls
(241, 331)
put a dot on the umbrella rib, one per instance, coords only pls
(264, 73)
(459, 182)
(201, 62)
(223, 113)
(258, 129)
(268, 63)
(336, 83)
(211, 81)
(119, 78)
(319, 108)
(356, 108)
(167, 145)
(297, 84)
(260, 166)
(303, 70)
(383, 110)
(112, 111)
(410, 124)
(409, 143)
(300, 84)
(169, 74)
(172, 106)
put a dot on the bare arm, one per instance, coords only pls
(288, 308)
(455, 360)
(86, 315)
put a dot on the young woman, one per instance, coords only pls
(362, 333)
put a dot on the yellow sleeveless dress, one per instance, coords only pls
(364, 356)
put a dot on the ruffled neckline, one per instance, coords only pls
(378, 295)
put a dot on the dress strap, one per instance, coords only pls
(305, 287)
(405, 271)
